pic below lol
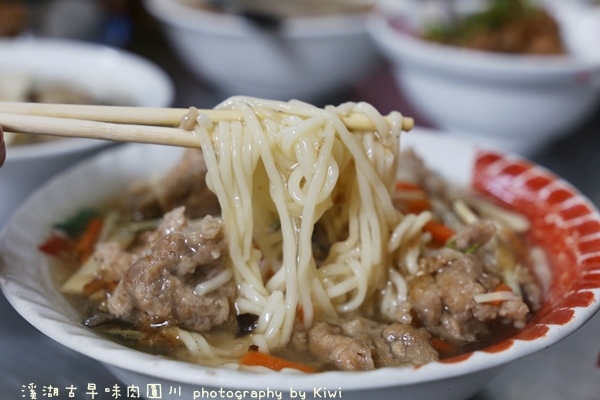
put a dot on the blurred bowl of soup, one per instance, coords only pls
(563, 224)
(60, 71)
(520, 87)
(306, 50)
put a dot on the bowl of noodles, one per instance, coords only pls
(68, 72)
(291, 255)
(513, 75)
(307, 50)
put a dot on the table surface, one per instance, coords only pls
(569, 369)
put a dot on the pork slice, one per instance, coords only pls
(113, 262)
(345, 353)
(424, 296)
(443, 297)
(363, 344)
(392, 345)
(159, 287)
(457, 285)
(474, 235)
(409, 345)
(184, 185)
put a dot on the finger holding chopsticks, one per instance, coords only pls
(2, 147)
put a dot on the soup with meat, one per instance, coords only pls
(284, 9)
(291, 241)
(506, 26)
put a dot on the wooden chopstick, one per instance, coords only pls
(148, 115)
(70, 127)
(125, 124)
(122, 115)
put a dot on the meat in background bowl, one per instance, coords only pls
(104, 75)
(305, 57)
(517, 102)
(564, 223)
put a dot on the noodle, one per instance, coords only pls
(289, 163)
(214, 283)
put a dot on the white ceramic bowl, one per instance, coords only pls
(103, 73)
(306, 58)
(517, 102)
(563, 222)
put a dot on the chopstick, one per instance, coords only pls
(69, 127)
(124, 124)
(115, 114)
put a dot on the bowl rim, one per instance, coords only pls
(32, 303)
(404, 48)
(165, 92)
(180, 15)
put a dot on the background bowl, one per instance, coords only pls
(104, 74)
(519, 103)
(564, 224)
(305, 58)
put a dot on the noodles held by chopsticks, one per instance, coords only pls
(292, 163)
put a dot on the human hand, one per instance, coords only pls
(2, 147)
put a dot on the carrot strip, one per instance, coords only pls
(440, 232)
(85, 245)
(55, 245)
(443, 347)
(503, 287)
(416, 206)
(406, 185)
(99, 284)
(257, 358)
(300, 313)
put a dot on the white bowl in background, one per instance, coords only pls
(558, 213)
(105, 74)
(519, 103)
(306, 58)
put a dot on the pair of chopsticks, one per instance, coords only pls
(123, 124)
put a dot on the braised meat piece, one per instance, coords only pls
(113, 262)
(361, 344)
(345, 353)
(474, 235)
(183, 185)
(444, 297)
(159, 287)
(409, 345)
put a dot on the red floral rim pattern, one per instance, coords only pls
(563, 223)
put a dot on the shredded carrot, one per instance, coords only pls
(416, 206)
(443, 347)
(440, 232)
(99, 284)
(503, 287)
(257, 358)
(406, 185)
(300, 313)
(85, 245)
(55, 245)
